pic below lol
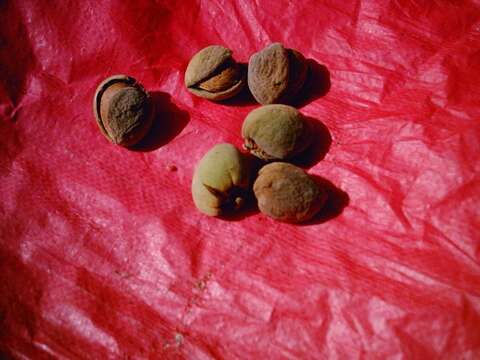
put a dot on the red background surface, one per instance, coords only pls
(103, 255)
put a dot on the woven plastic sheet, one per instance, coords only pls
(103, 254)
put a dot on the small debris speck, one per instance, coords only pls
(178, 339)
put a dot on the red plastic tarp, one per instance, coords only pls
(103, 254)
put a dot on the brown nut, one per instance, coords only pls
(213, 74)
(123, 110)
(221, 179)
(276, 74)
(286, 193)
(275, 132)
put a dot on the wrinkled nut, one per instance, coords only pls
(275, 132)
(276, 74)
(123, 110)
(286, 193)
(213, 74)
(221, 179)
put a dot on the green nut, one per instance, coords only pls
(221, 180)
(275, 132)
(286, 193)
(213, 74)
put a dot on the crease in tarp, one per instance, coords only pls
(103, 254)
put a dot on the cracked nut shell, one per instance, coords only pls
(275, 132)
(123, 110)
(213, 74)
(221, 180)
(276, 74)
(286, 193)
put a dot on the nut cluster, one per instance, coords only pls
(275, 74)
(273, 132)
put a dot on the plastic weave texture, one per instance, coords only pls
(103, 254)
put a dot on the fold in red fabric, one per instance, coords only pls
(104, 255)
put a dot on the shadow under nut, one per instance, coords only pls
(286, 193)
(213, 74)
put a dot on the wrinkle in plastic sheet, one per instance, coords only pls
(103, 254)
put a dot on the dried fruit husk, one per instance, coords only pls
(276, 132)
(123, 110)
(276, 74)
(212, 73)
(221, 179)
(268, 74)
(298, 69)
(286, 193)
